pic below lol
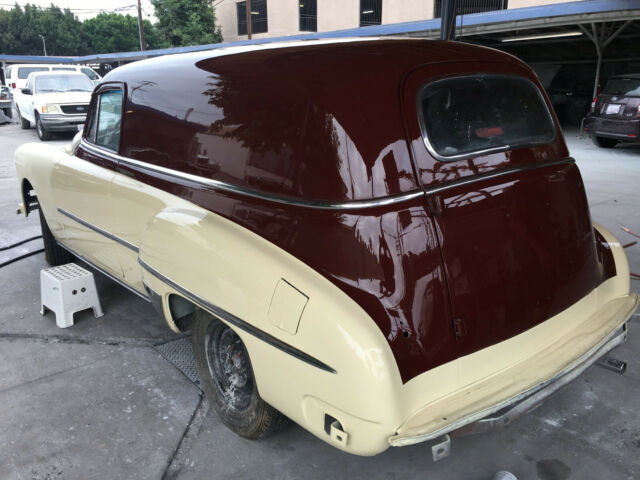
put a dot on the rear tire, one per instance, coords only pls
(604, 142)
(24, 124)
(43, 134)
(227, 378)
(53, 253)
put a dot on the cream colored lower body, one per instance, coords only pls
(366, 396)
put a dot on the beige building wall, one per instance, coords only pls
(283, 15)
(398, 11)
(338, 14)
(282, 19)
(532, 3)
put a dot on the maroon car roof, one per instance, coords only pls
(308, 120)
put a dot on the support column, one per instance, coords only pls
(448, 19)
(601, 39)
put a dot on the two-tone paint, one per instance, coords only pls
(307, 163)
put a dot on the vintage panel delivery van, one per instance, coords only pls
(384, 240)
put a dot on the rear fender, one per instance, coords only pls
(226, 268)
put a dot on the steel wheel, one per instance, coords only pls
(229, 367)
(228, 380)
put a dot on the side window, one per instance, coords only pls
(104, 124)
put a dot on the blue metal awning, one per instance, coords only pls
(498, 20)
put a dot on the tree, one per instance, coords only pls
(19, 30)
(112, 32)
(187, 22)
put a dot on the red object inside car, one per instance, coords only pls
(489, 132)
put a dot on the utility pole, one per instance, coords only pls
(44, 45)
(140, 27)
(248, 5)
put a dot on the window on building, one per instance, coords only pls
(308, 15)
(258, 17)
(370, 12)
(464, 7)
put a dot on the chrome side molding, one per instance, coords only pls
(99, 230)
(102, 271)
(238, 322)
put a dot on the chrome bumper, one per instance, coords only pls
(505, 412)
(59, 121)
(528, 401)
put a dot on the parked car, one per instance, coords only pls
(383, 255)
(571, 91)
(6, 103)
(615, 112)
(54, 102)
(16, 75)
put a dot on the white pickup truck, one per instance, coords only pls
(54, 102)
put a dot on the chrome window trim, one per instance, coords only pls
(351, 205)
(99, 230)
(105, 273)
(495, 173)
(238, 322)
(477, 153)
(99, 90)
(226, 187)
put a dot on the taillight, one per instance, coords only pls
(13, 85)
(593, 104)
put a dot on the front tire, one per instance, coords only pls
(43, 134)
(227, 378)
(604, 142)
(24, 123)
(54, 254)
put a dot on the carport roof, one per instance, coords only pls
(545, 16)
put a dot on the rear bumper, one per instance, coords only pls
(57, 123)
(613, 128)
(528, 401)
(503, 413)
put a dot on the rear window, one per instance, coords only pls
(64, 69)
(466, 116)
(23, 72)
(629, 87)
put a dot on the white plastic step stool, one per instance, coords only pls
(68, 289)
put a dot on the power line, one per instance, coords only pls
(78, 10)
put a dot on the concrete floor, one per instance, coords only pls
(97, 401)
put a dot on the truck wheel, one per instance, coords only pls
(603, 142)
(54, 254)
(24, 124)
(42, 133)
(226, 376)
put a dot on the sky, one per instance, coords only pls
(84, 9)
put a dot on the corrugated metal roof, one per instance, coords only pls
(510, 19)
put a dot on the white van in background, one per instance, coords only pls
(16, 75)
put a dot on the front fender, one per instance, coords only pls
(35, 163)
